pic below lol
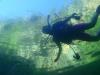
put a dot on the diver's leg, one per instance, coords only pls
(87, 37)
(92, 23)
(85, 26)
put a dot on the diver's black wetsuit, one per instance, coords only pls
(65, 33)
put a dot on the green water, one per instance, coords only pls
(25, 50)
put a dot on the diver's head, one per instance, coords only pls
(46, 29)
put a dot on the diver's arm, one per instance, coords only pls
(74, 15)
(60, 50)
(67, 19)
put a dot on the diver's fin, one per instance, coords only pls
(98, 10)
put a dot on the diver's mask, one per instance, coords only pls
(46, 29)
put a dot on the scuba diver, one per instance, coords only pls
(63, 32)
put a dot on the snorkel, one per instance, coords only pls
(47, 29)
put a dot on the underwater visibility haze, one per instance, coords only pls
(25, 49)
(21, 8)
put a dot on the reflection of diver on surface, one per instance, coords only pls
(66, 33)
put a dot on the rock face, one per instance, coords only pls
(91, 4)
(84, 7)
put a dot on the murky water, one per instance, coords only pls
(25, 50)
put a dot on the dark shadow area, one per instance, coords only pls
(94, 53)
(66, 68)
(14, 65)
(89, 53)
(11, 64)
(89, 69)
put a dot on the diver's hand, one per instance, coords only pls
(76, 16)
(98, 10)
(56, 60)
(76, 56)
